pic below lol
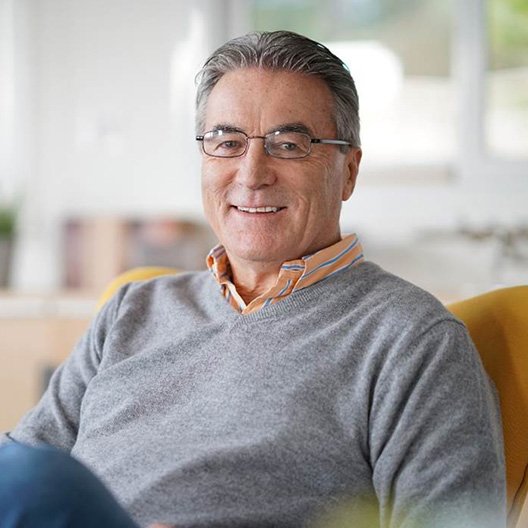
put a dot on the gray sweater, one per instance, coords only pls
(360, 394)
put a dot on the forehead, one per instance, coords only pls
(259, 100)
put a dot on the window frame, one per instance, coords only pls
(470, 65)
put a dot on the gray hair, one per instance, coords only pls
(284, 50)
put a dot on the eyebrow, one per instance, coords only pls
(225, 127)
(292, 127)
(285, 127)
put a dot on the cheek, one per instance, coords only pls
(324, 187)
(214, 182)
(209, 201)
(312, 189)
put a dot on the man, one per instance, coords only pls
(294, 380)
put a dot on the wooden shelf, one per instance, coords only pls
(67, 304)
(38, 332)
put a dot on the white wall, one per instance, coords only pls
(106, 97)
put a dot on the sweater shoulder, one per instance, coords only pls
(187, 283)
(189, 292)
(402, 303)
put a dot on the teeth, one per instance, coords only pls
(258, 209)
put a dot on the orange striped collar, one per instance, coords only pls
(294, 274)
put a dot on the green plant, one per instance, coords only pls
(7, 221)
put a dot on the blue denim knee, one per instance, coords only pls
(47, 488)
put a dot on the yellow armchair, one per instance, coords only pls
(498, 324)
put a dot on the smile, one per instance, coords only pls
(253, 210)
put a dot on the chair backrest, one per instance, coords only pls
(133, 275)
(498, 324)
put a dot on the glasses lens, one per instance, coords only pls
(224, 144)
(290, 145)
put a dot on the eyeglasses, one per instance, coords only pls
(280, 144)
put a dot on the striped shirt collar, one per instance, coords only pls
(294, 274)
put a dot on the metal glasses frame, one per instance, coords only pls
(323, 141)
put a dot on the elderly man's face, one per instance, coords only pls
(305, 194)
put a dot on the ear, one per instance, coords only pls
(353, 159)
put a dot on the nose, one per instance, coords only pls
(256, 168)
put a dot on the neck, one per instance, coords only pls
(254, 279)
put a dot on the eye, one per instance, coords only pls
(288, 146)
(230, 144)
(225, 144)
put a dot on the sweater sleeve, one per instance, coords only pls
(435, 436)
(55, 419)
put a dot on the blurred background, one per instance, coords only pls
(99, 170)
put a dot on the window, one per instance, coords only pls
(507, 79)
(450, 79)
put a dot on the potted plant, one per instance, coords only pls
(7, 236)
